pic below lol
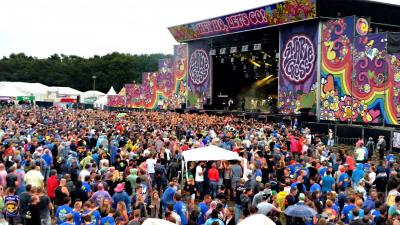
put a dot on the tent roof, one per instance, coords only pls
(26, 88)
(111, 91)
(12, 91)
(209, 153)
(92, 93)
(65, 90)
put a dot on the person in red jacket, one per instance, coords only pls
(213, 176)
(51, 185)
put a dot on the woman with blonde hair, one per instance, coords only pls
(122, 215)
(105, 207)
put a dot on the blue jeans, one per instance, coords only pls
(199, 186)
(214, 188)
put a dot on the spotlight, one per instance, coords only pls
(232, 60)
(222, 60)
(265, 56)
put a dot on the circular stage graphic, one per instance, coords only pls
(362, 26)
(199, 66)
(298, 58)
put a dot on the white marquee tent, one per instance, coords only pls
(15, 89)
(65, 91)
(208, 153)
(89, 95)
(102, 101)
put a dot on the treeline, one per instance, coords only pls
(114, 69)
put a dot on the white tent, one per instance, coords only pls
(209, 153)
(10, 89)
(90, 95)
(102, 101)
(65, 91)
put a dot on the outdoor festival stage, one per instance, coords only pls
(337, 59)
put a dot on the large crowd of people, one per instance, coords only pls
(73, 167)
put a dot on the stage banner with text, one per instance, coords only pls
(275, 14)
(199, 74)
(297, 67)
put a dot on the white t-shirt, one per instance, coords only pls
(34, 178)
(360, 154)
(198, 177)
(168, 154)
(83, 174)
(150, 165)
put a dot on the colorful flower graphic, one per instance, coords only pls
(330, 100)
(348, 108)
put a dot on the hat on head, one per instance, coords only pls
(120, 187)
(213, 205)
(302, 197)
(258, 179)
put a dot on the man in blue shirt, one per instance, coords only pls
(327, 182)
(94, 214)
(168, 195)
(344, 179)
(347, 209)
(109, 219)
(314, 186)
(180, 209)
(203, 208)
(63, 210)
(86, 186)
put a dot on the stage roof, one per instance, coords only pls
(290, 11)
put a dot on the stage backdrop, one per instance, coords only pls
(164, 89)
(297, 68)
(357, 85)
(199, 74)
(336, 69)
(394, 79)
(116, 101)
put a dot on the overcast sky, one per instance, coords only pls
(97, 27)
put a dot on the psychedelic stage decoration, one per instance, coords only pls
(336, 69)
(165, 89)
(357, 79)
(199, 74)
(394, 80)
(275, 14)
(297, 70)
(116, 101)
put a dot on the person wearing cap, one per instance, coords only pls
(344, 178)
(302, 198)
(120, 195)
